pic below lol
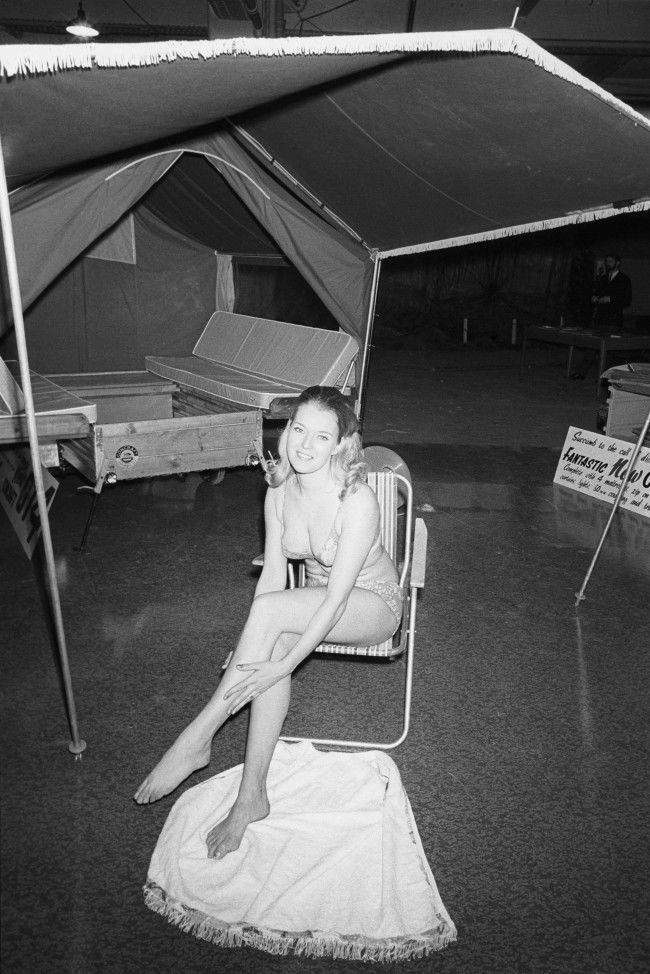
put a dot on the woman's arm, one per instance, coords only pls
(358, 531)
(274, 572)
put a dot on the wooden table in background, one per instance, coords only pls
(582, 338)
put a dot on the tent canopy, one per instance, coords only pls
(340, 150)
(477, 145)
(63, 105)
(474, 129)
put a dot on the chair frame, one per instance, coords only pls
(388, 486)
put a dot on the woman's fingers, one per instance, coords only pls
(244, 696)
(235, 688)
(251, 686)
(248, 667)
(238, 698)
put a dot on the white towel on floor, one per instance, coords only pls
(337, 869)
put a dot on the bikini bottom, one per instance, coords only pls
(389, 592)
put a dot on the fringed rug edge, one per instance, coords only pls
(306, 943)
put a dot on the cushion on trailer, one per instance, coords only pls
(219, 380)
(252, 360)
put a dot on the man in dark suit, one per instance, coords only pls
(612, 294)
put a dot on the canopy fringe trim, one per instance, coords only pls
(306, 943)
(583, 216)
(28, 59)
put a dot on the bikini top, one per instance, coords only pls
(325, 556)
(328, 550)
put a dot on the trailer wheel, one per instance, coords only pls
(214, 477)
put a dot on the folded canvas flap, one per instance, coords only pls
(49, 397)
(11, 395)
(295, 354)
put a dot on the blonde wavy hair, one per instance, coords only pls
(348, 465)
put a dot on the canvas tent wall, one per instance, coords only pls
(151, 283)
(386, 145)
(179, 299)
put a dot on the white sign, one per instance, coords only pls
(18, 495)
(596, 465)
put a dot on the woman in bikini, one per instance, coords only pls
(318, 507)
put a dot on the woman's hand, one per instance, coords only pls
(260, 676)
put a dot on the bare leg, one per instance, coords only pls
(290, 611)
(191, 749)
(267, 715)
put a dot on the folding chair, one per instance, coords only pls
(406, 543)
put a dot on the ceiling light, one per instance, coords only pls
(80, 26)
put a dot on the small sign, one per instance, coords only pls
(594, 464)
(18, 495)
(127, 454)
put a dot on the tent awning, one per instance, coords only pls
(440, 150)
(342, 149)
(412, 141)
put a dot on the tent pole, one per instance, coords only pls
(370, 321)
(76, 746)
(580, 596)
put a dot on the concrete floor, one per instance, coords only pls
(527, 761)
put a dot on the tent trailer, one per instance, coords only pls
(197, 412)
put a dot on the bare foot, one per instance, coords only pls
(182, 758)
(227, 835)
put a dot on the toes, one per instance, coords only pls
(215, 852)
(145, 794)
(220, 847)
(221, 851)
(142, 790)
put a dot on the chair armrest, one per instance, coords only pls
(419, 559)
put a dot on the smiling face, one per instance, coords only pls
(312, 438)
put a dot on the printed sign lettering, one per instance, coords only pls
(597, 465)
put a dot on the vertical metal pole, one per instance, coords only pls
(411, 16)
(370, 320)
(630, 467)
(76, 746)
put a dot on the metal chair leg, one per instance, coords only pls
(408, 691)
